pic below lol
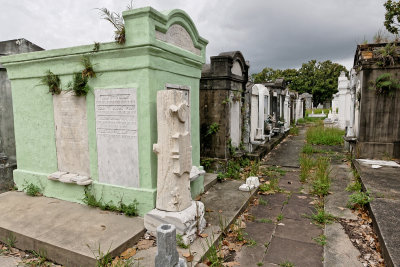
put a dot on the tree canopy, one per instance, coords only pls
(392, 16)
(317, 78)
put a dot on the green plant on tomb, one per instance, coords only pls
(279, 217)
(79, 85)
(88, 70)
(96, 47)
(213, 129)
(179, 241)
(322, 217)
(117, 21)
(226, 101)
(385, 84)
(321, 239)
(386, 55)
(32, 189)
(359, 200)
(286, 264)
(52, 81)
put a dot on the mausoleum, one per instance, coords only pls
(104, 140)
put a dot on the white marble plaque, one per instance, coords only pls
(117, 140)
(71, 133)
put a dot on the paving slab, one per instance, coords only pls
(303, 230)
(266, 211)
(69, 233)
(8, 261)
(299, 253)
(339, 251)
(299, 207)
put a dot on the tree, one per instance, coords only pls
(317, 78)
(392, 16)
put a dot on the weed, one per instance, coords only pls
(117, 21)
(128, 209)
(223, 224)
(179, 241)
(321, 183)
(52, 81)
(322, 217)
(206, 163)
(41, 258)
(32, 189)
(279, 217)
(264, 220)
(231, 148)
(88, 70)
(102, 259)
(96, 47)
(266, 244)
(251, 242)
(354, 186)
(274, 171)
(254, 168)
(321, 239)
(212, 255)
(359, 199)
(285, 202)
(318, 135)
(260, 264)
(286, 264)
(306, 164)
(294, 130)
(212, 129)
(272, 186)
(10, 241)
(262, 202)
(385, 84)
(79, 85)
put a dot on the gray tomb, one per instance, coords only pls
(7, 140)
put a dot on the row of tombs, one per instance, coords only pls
(153, 110)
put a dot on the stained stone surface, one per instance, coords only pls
(117, 140)
(70, 120)
(178, 36)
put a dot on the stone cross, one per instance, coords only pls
(174, 151)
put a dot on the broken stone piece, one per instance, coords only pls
(67, 178)
(246, 187)
(253, 180)
(86, 182)
(188, 222)
(79, 178)
(55, 176)
(195, 173)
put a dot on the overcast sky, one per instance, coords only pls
(274, 33)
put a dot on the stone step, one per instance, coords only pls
(68, 233)
(210, 179)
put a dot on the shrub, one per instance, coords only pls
(359, 200)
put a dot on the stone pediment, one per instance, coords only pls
(177, 35)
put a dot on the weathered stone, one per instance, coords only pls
(173, 150)
(56, 175)
(188, 222)
(167, 255)
(70, 121)
(246, 187)
(117, 139)
(178, 36)
(253, 180)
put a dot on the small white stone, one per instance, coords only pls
(253, 180)
(246, 187)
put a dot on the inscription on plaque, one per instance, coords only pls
(71, 133)
(117, 141)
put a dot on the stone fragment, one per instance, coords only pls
(79, 178)
(55, 176)
(246, 187)
(253, 180)
(67, 178)
(188, 222)
(196, 173)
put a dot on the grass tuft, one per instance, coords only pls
(318, 135)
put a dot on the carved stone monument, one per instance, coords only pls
(174, 203)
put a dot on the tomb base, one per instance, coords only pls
(188, 222)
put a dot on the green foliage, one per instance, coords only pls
(279, 217)
(322, 217)
(294, 130)
(52, 81)
(387, 55)
(212, 255)
(306, 164)
(88, 70)
(321, 239)
(32, 189)
(206, 163)
(103, 259)
(262, 202)
(321, 182)
(41, 258)
(96, 47)
(385, 85)
(286, 264)
(10, 241)
(117, 21)
(91, 200)
(273, 172)
(254, 168)
(179, 241)
(359, 200)
(354, 186)
(392, 16)
(212, 129)
(318, 135)
(251, 242)
(260, 264)
(264, 220)
(271, 186)
(79, 85)
(231, 148)
(317, 78)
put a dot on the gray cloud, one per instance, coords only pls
(275, 33)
